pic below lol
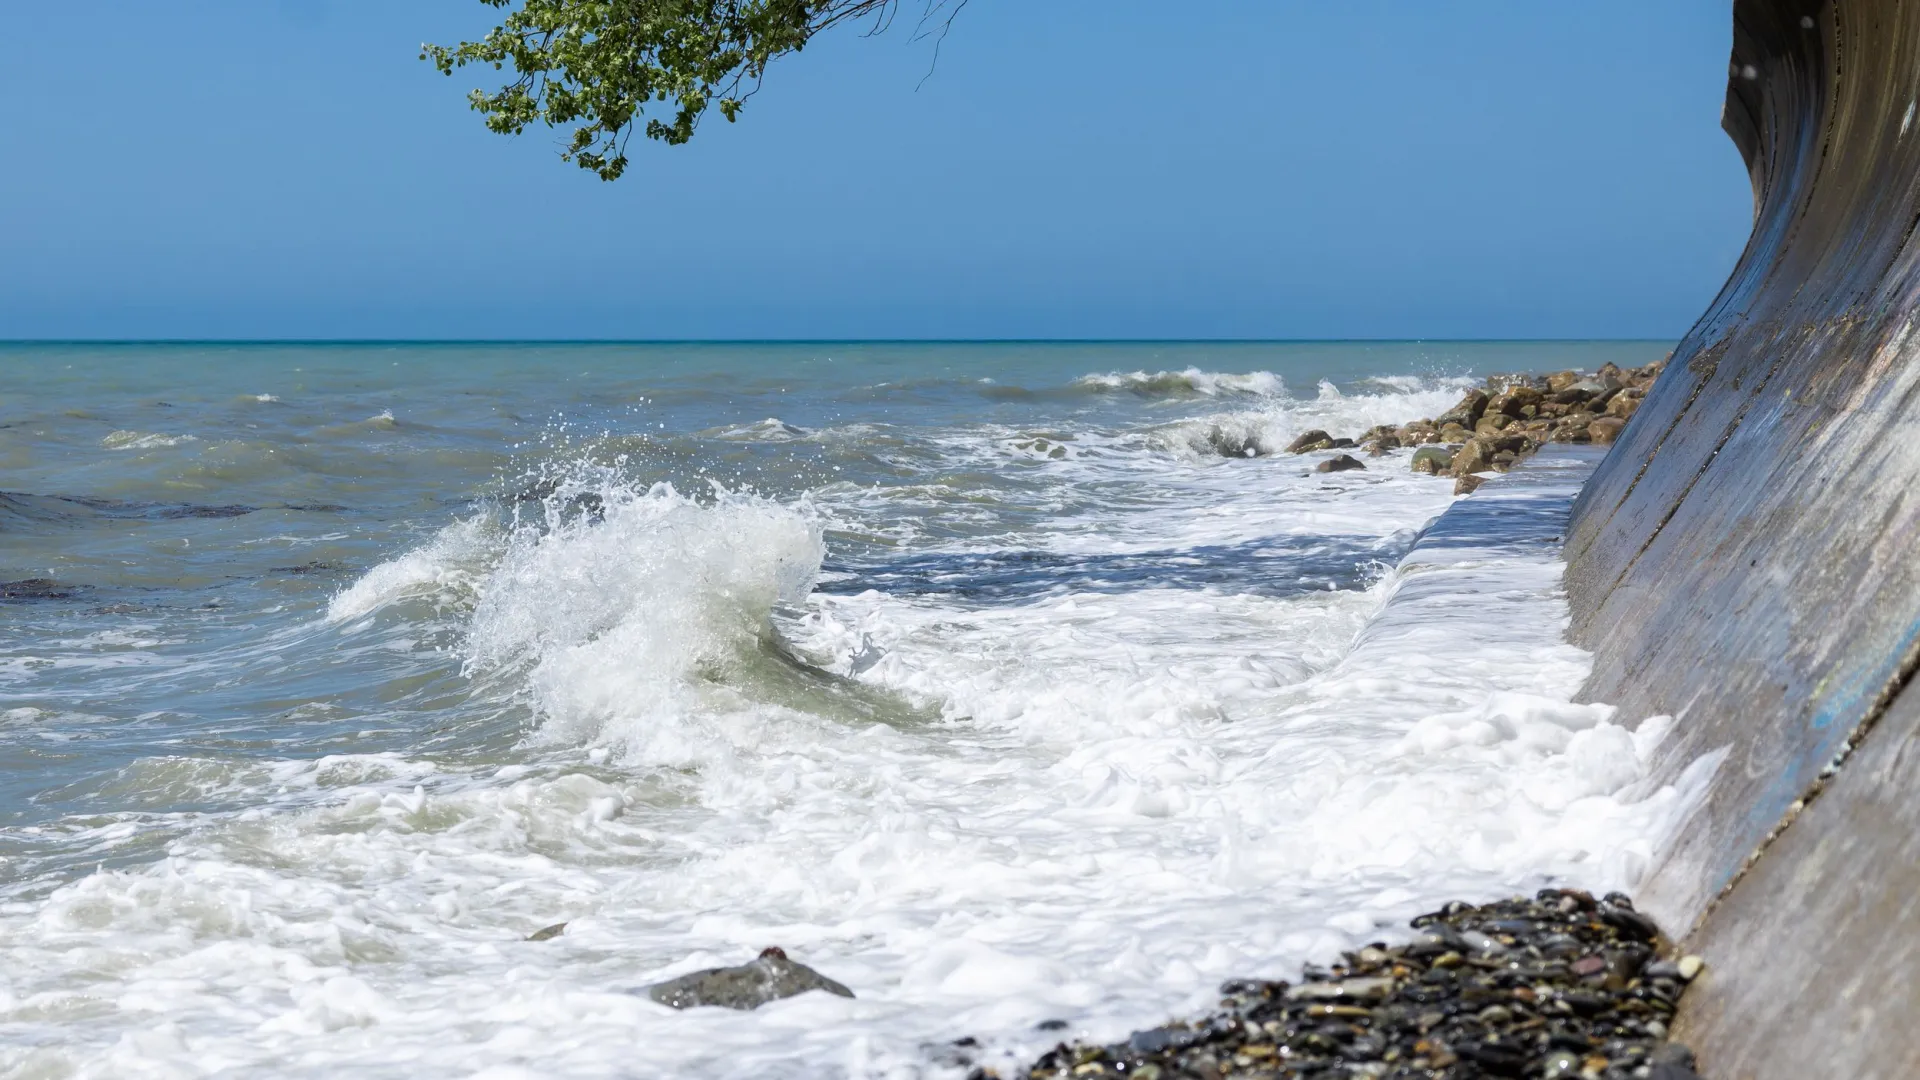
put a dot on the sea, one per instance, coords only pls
(1030, 690)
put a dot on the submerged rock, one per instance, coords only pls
(770, 977)
(548, 933)
(1467, 485)
(1341, 463)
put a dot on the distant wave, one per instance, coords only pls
(1191, 382)
(772, 429)
(143, 440)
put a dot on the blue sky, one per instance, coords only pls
(1073, 168)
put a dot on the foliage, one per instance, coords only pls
(598, 64)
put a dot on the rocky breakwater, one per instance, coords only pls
(1492, 428)
(1561, 985)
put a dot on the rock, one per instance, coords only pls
(1492, 422)
(1384, 443)
(1454, 433)
(1560, 380)
(1516, 400)
(1468, 411)
(1342, 463)
(1571, 431)
(770, 977)
(1432, 459)
(1475, 456)
(1674, 1053)
(1310, 441)
(1624, 404)
(1606, 429)
(1342, 444)
(1419, 432)
(1467, 485)
(548, 933)
(1346, 989)
(1689, 967)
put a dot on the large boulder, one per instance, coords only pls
(1313, 439)
(1605, 429)
(1340, 463)
(1624, 404)
(1515, 401)
(1419, 433)
(1432, 459)
(1472, 406)
(1475, 456)
(770, 977)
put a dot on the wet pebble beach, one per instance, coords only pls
(1562, 985)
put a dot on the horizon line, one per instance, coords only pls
(839, 341)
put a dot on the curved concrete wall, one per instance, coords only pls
(1748, 559)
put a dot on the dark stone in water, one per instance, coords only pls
(304, 568)
(30, 589)
(1342, 463)
(548, 933)
(770, 977)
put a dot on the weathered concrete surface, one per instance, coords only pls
(1814, 958)
(1748, 559)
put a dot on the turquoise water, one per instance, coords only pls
(329, 671)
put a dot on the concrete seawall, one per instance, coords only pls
(1748, 559)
